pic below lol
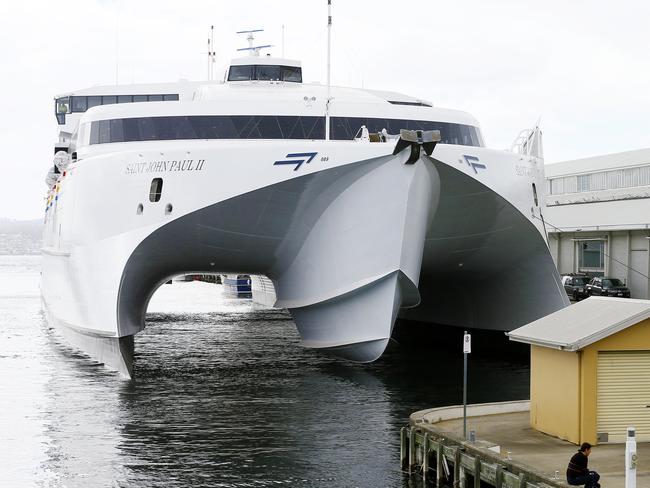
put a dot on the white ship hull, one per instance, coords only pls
(348, 239)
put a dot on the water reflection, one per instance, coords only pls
(226, 398)
(242, 404)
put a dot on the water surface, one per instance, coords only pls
(224, 397)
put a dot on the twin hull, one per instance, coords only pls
(348, 233)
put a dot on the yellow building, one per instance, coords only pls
(590, 370)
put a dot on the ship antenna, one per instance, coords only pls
(253, 50)
(329, 48)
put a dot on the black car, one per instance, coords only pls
(576, 286)
(608, 287)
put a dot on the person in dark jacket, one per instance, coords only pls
(577, 473)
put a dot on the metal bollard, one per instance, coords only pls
(630, 458)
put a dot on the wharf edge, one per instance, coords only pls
(453, 461)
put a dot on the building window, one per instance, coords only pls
(584, 182)
(591, 257)
(557, 186)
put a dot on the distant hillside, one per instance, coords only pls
(20, 236)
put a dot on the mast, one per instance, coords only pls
(212, 53)
(329, 40)
(208, 73)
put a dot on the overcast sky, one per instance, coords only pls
(582, 66)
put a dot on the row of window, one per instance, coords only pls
(206, 127)
(265, 72)
(604, 180)
(346, 128)
(264, 127)
(79, 104)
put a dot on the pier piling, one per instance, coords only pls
(470, 460)
(403, 448)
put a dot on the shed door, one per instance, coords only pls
(624, 394)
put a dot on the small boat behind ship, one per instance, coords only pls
(237, 286)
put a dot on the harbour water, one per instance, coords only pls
(224, 396)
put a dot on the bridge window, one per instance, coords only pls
(240, 73)
(61, 107)
(292, 74)
(94, 101)
(79, 104)
(265, 72)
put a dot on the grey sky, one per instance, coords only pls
(580, 65)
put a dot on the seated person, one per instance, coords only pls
(577, 473)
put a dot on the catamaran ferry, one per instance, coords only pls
(356, 205)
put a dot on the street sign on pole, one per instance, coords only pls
(467, 348)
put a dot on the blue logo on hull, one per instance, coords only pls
(472, 162)
(299, 159)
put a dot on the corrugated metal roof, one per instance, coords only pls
(577, 326)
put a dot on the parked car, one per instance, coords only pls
(576, 286)
(609, 287)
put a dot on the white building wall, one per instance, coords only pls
(605, 199)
